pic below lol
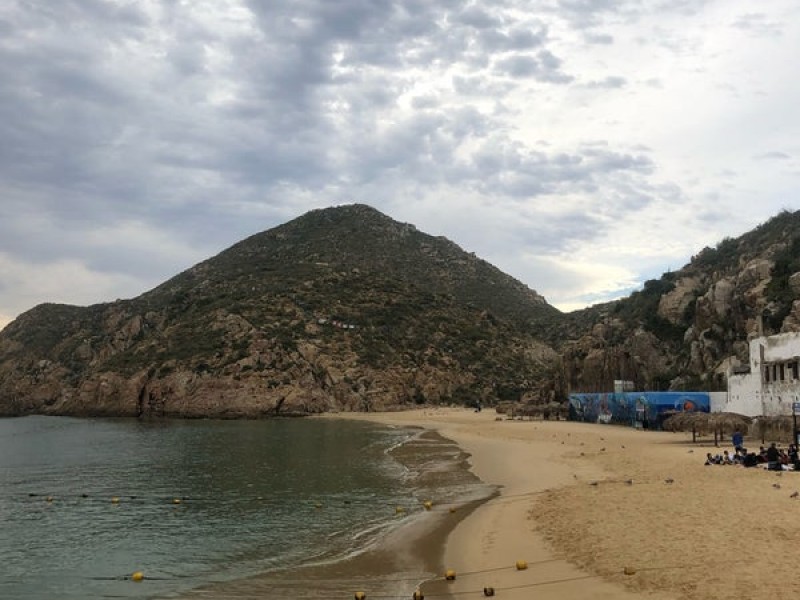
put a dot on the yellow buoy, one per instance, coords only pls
(137, 576)
(521, 565)
(399, 510)
(360, 596)
(629, 571)
(488, 591)
(450, 575)
(115, 500)
(417, 595)
(176, 500)
(49, 498)
(427, 504)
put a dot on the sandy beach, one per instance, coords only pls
(600, 512)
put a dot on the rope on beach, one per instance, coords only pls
(490, 591)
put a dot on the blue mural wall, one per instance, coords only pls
(646, 409)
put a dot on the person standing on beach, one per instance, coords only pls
(738, 440)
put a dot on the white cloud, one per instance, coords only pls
(580, 146)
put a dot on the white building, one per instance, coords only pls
(772, 382)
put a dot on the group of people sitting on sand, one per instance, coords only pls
(772, 458)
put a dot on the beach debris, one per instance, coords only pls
(795, 495)
(602, 449)
(592, 483)
(690, 451)
(137, 576)
(669, 480)
(360, 596)
(777, 486)
(622, 446)
(629, 571)
(428, 504)
(488, 591)
(521, 565)
(417, 595)
(399, 510)
(629, 481)
(450, 575)
(49, 498)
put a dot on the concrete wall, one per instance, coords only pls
(772, 385)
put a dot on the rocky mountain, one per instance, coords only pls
(344, 308)
(687, 329)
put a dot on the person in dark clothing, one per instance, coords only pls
(794, 456)
(750, 459)
(773, 458)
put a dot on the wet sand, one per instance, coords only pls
(602, 512)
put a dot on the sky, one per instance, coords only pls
(581, 146)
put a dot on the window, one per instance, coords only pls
(766, 374)
(793, 366)
(783, 372)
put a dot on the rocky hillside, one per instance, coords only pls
(686, 329)
(344, 308)
(340, 308)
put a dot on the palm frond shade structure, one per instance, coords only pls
(775, 427)
(702, 422)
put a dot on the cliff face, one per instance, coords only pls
(684, 330)
(342, 308)
(347, 309)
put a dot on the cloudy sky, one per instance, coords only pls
(582, 146)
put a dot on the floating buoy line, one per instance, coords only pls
(490, 591)
(449, 575)
(426, 505)
(401, 510)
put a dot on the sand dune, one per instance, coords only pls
(584, 503)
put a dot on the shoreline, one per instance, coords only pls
(487, 543)
(646, 518)
(407, 552)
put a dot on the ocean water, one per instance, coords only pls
(218, 509)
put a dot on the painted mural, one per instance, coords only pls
(639, 409)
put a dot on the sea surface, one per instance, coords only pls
(217, 509)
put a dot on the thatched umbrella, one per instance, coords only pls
(556, 409)
(776, 426)
(703, 422)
